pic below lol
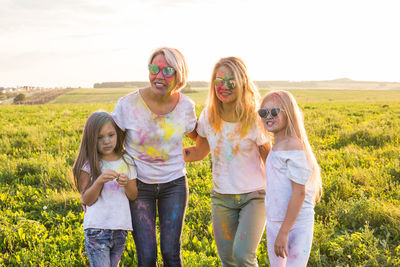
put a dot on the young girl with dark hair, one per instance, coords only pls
(106, 178)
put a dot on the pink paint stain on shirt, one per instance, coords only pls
(142, 137)
(292, 257)
(147, 158)
(112, 185)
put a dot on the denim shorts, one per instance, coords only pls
(104, 247)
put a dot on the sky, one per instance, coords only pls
(75, 43)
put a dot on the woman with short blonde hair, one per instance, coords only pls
(177, 61)
(155, 119)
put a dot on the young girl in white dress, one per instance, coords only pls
(106, 178)
(293, 182)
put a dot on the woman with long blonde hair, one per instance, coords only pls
(230, 128)
(293, 182)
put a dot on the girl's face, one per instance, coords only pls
(225, 85)
(160, 83)
(275, 119)
(106, 141)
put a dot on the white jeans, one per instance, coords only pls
(299, 243)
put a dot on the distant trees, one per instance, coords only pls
(40, 97)
(188, 88)
(44, 97)
(199, 84)
(19, 99)
(193, 84)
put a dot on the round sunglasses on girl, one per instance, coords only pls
(166, 71)
(263, 112)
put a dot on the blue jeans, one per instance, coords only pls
(170, 199)
(104, 247)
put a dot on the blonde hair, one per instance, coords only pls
(295, 128)
(176, 60)
(88, 148)
(247, 97)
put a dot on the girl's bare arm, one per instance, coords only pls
(293, 210)
(130, 186)
(89, 194)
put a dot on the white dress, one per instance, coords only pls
(283, 167)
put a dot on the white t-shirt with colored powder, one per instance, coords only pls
(155, 141)
(111, 210)
(284, 166)
(236, 164)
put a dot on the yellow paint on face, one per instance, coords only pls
(171, 83)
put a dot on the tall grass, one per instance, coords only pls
(357, 221)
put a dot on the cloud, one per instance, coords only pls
(26, 60)
(175, 3)
(43, 15)
(80, 36)
(87, 6)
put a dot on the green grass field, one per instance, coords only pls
(355, 136)
(199, 95)
(111, 95)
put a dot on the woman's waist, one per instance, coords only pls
(239, 178)
(238, 186)
(161, 176)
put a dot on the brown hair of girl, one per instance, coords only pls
(88, 148)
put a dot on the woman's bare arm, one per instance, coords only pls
(198, 152)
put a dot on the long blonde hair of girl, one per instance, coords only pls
(295, 128)
(247, 100)
(88, 149)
